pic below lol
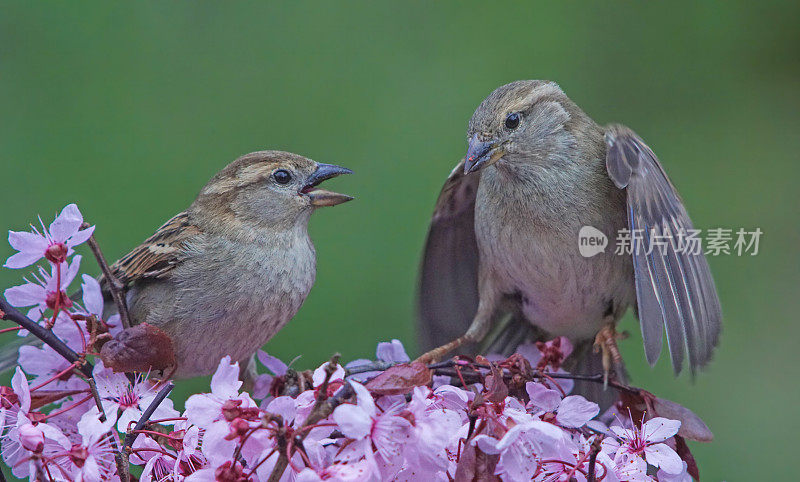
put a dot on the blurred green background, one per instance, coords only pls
(128, 109)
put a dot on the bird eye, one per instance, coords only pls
(282, 176)
(512, 120)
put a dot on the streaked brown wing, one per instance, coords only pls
(674, 290)
(158, 254)
(448, 285)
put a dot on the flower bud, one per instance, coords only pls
(31, 438)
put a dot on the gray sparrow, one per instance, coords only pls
(503, 241)
(224, 276)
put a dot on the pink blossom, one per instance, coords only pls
(435, 428)
(682, 476)
(647, 441)
(523, 446)
(25, 441)
(93, 458)
(572, 411)
(392, 351)
(386, 431)
(319, 374)
(45, 291)
(55, 243)
(387, 351)
(221, 412)
(548, 357)
(263, 383)
(159, 463)
(117, 393)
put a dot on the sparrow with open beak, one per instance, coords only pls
(224, 276)
(503, 240)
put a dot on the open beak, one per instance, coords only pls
(321, 197)
(481, 154)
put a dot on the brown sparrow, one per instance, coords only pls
(224, 276)
(504, 237)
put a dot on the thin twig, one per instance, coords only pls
(590, 474)
(372, 367)
(130, 437)
(10, 313)
(120, 457)
(323, 407)
(114, 286)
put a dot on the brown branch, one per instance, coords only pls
(114, 285)
(130, 437)
(590, 474)
(10, 313)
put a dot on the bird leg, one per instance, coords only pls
(606, 341)
(477, 330)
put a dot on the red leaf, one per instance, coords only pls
(40, 398)
(401, 379)
(476, 466)
(686, 455)
(496, 389)
(139, 349)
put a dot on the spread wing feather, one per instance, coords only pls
(158, 255)
(674, 287)
(448, 287)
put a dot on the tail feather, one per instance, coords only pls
(584, 361)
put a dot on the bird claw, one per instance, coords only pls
(606, 342)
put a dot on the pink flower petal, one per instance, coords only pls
(273, 364)
(575, 411)
(663, 457)
(66, 224)
(23, 259)
(70, 273)
(392, 351)
(353, 421)
(26, 295)
(20, 386)
(27, 241)
(92, 296)
(364, 399)
(486, 444)
(542, 396)
(283, 406)
(659, 429)
(225, 383)
(319, 374)
(202, 410)
(80, 237)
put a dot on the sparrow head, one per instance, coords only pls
(520, 121)
(270, 188)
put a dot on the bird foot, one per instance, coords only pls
(606, 342)
(437, 353)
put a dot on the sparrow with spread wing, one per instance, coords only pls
(503, 241)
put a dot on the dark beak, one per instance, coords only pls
(321, 197)
(481, 154)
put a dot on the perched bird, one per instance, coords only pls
(224, 276)
(503, 241)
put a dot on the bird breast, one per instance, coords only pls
(527, 235)
(231, 297)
